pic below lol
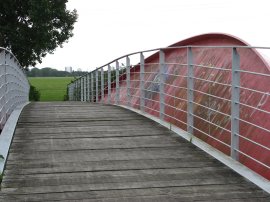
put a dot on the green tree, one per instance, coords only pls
(33, 28)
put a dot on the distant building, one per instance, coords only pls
(79, 69)
(68, 69)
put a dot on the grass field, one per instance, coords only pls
(51, 88)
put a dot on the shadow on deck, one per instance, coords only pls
(77, 151)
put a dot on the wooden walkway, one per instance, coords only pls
(89, 152)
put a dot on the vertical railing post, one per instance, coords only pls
(72, 92)
(235, 96)
(76, 93)
(142, 96)
(92, 86)
(76, 90)
(97, 85)
(5, 91)
(88, 88)
(161, 84)
(190, 87)
(84, 88)
(117, 84)
(128, 80)
(102, 85)
(81, 81)
(109, 84)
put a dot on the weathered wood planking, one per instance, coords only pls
(91, 152)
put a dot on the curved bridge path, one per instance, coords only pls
(91, 152)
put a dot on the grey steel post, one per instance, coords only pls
(109, 84)
(102, 85)
(75, 90)
(142, 96)
(161, 83)
(84, 87)
(96, 85)
(81, 81)
(128, 81)
(79, 89)
(117, 83)
(235, 104)
(190, 87)
(87, 87)
(92, 86)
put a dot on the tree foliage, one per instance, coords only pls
(49, 72)
(33, 28)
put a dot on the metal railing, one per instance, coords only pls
(218, 94)
(14, 86)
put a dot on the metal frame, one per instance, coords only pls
(190, 86)
(235, 109)
(128, 80)
(14, 86)
(137, 88)
(161, 84)
(142, 92)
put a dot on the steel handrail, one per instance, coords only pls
(14, 85)
(136, 83)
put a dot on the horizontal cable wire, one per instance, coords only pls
(250, 157)
(254, 125)
(211, 109)
(211, 137)
(212, 123)
(258, 144)
(211, 95)
(261, 110)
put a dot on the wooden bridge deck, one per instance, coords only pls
(88, 152)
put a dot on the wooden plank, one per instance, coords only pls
(91, 152)
(89, 186)
(116, 176)
(198, 193)
(107, 154)
(84, 166)
(94, 143)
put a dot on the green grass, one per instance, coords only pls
(51, 88)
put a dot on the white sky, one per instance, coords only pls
(108, 29)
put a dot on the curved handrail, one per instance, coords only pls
(14, 85)
(220, 94)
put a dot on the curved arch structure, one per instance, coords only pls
(251, 60)
(212, 93)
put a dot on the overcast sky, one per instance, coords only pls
(107, 29)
